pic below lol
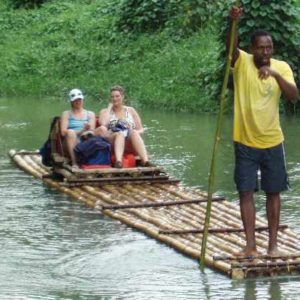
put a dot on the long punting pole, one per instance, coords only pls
(216, 141)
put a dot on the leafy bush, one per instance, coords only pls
(66, 43)
(182, 17)
(26, 3)
(281, 19)
(142, 15)
(188, 16)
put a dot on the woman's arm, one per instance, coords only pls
(137, 120)
(64, 122)
(104, 117)
(92, 121)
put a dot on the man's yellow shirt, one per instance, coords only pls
(256, 103)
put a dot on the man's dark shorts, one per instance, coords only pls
(270, 162)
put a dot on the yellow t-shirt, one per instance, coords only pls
(256, 103)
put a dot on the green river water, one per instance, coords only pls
(56, 248)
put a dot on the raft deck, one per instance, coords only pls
(175, 215)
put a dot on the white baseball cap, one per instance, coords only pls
(75, 94)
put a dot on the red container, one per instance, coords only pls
(128, 161)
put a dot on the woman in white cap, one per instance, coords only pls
(74, 122)
(122, 126)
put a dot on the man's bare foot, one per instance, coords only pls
(246, 252)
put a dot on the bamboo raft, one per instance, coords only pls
(174, 215)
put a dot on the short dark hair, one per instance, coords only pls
(258, 33)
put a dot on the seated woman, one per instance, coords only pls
(74, 122)
(122, 126)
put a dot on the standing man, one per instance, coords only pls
(259, 81)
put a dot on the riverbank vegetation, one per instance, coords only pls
(167, 54)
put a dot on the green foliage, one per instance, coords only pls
(281, 19)
(63, 44)
(68, 43)
(26, 3)
(142, 15)
(188, 16)
(180, 17)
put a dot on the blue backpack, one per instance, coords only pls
(93, 151)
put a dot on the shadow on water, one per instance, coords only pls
(54, 248)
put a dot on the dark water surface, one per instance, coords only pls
(56, 248)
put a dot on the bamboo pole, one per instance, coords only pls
(231, 210)
(159, 204)
(265, 257)
(170, 222)
(29, 159)
(194, 211)
(216, 140)
(133, 171)
(217, 230)
(286, 264)
(24, 165)
(64, 173)
(189, 250)
(38, 160)
(118, 179)
(191, 215)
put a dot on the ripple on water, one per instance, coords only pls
(15, 125)
(124, 268)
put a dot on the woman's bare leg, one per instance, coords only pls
(116, 139)
(119, 145)
(102, 131)
(138, 145)
(71, 141)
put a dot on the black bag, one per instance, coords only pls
(45, 152)
(94, 151)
